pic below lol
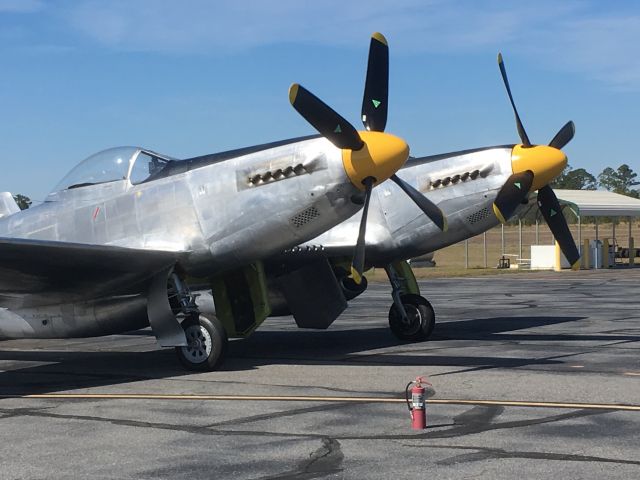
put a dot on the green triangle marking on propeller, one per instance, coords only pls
(519, 185)
(376, 103)
(338, 129)
(553, 212)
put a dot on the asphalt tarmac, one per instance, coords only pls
(549, 364)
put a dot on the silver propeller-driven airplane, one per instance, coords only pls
(474, 190)
(113, 245)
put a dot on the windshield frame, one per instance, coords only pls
(152, 176)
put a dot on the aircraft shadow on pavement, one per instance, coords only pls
(340, 346)
(68, 370)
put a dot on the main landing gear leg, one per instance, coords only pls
(206, 337)
(411, 317)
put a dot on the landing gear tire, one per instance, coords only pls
(206, 343)
(420, 321)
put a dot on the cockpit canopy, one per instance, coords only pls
(119, 163)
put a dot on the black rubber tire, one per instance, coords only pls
(422, 319)
(200, 357)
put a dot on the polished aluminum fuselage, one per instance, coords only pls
(219, 216)
(397, 229)
(215, 213)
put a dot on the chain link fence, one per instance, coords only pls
(486, 250)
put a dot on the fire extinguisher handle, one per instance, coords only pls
(423, 380)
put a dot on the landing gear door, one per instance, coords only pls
(313, 294)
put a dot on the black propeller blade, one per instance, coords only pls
(327, 121)
(521, 132)
(357, 265)
(374, 117)
(550, 208)
(510, 196)
(376, 89)
(564, 136)
(429, 208)
(512, 193)
(343, 135)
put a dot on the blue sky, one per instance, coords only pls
(194, 77)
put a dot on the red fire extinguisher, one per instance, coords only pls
(417, 406)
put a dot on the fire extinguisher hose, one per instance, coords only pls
(406, 394)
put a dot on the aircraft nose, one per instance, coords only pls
(545, 162)
(381, 157)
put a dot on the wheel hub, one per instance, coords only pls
(413, 319)
(199, 344)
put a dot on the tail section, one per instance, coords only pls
(8, 205)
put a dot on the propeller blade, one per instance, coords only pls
(357, 265)
(429, 208)
(323, 118)
(564, 136)
(521, 131)
(512, 193)
(550, 208)
(376, 88)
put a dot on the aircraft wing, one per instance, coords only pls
(37, 272)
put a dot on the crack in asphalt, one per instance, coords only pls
(479, 419)
(282, 414)
(466, 370)
(476, 420)
(122, 378)
(524, 366)
(22, 412)
(326, 460)
(486, 453)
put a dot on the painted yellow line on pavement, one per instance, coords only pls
(291, 398)
(516, 403)
(162, 396)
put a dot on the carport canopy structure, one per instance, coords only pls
(583, 203)
(598, 203)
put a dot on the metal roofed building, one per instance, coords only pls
(585, 203)
(599, 203)
(594, 204)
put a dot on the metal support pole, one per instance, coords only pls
(520, 239)
(598, 254)
(466, 253)
(579, 235)
(630, 246)
(502, 239)
(484, 239)
(586, 255)
(537, 232)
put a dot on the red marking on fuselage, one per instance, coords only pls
(95, 214)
